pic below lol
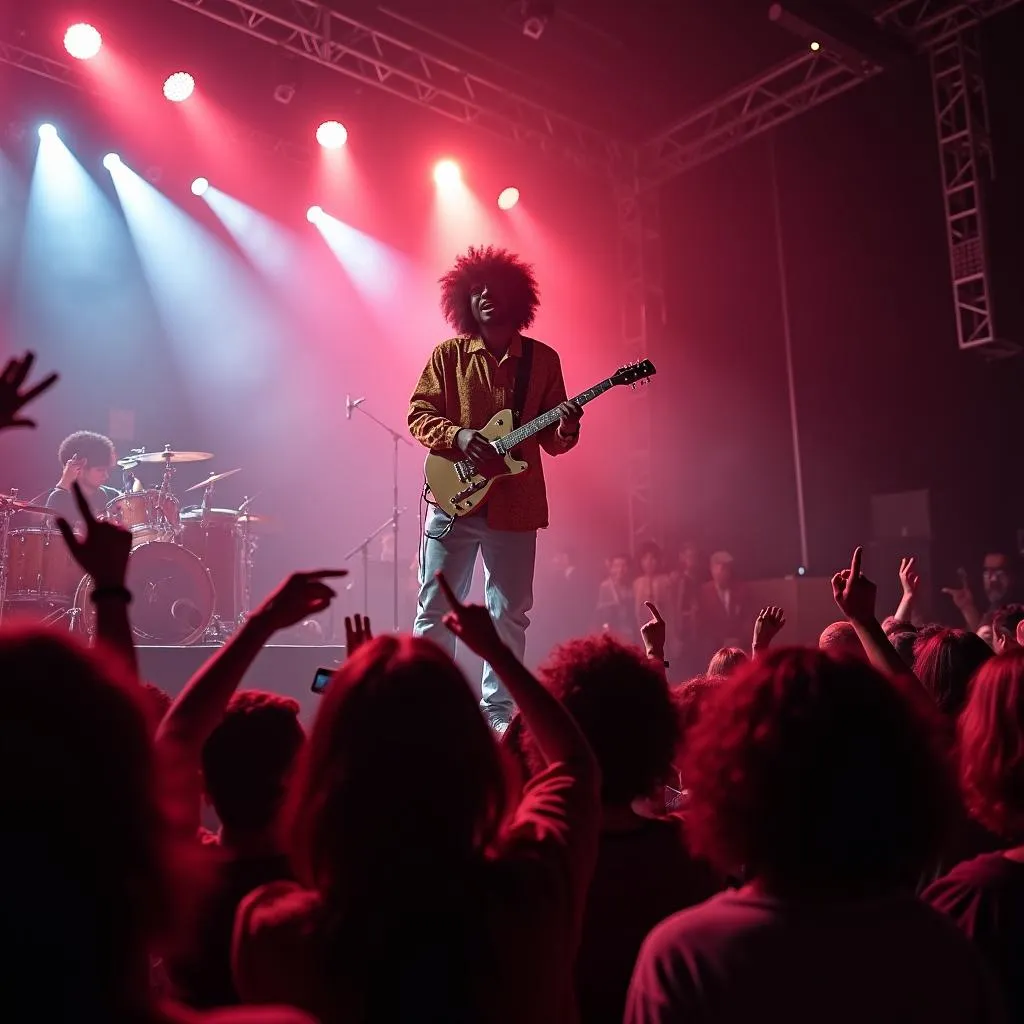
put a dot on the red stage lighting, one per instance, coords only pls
(332, 135)
(508, 198)
(179, 86)
(82, 41)
(447, 173)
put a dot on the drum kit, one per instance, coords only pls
(190, 569)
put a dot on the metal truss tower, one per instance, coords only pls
(965, 157)
(642, 307)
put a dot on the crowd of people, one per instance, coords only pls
(830, 834)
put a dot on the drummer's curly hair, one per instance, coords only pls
(496, 268)
(94, 448)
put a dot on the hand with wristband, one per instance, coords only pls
(103, 554)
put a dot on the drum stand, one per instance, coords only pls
(396, 512)
(5, 529)
(219, 631)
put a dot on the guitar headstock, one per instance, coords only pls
(634, 373)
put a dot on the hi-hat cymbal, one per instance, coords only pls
(213, 478)
(12, 504)
(127, 463)
(173, 457)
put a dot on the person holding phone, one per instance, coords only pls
(85, 458)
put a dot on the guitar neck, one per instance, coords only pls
(505, 444)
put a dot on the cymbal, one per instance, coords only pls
(173, 457)
(9, 504)
(213, 478)
(127, 463)
(246, 519)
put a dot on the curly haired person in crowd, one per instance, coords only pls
(821, 781)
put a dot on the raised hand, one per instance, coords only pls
(12, 398)
(653, 632)
(104, 549)
(909, 578)
(300, 595)
(472, 624)
(71, 472)
(854, 592)
(961, 595)
(768, 625)
(357, 633)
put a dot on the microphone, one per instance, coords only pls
(350, 404)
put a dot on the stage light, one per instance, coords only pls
(82, 41)
(447, 173)
(314, 213)
(332, 135)
(111, 160)
(508, 198)
(47, 131)
(199, 186)
(815, 45)
(179, 86)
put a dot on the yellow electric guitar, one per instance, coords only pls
(458, 486)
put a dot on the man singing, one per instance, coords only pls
(489, 297)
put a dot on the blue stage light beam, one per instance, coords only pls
(269, 245)
(374, 268)
(74, 250)
(230, 339)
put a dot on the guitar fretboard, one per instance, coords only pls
(505, 444)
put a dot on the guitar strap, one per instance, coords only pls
(522, 383)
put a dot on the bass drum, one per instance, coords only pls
(172, 596)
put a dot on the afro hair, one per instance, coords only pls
(499, 270)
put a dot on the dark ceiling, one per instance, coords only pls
(634, 63)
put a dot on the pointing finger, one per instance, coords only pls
(654, 611)
(858, 554)
(448, 592)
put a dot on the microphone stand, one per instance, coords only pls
(396, 512)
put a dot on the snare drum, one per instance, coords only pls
(40, 567)
(172, 596)
(214, 535)
(150, 515)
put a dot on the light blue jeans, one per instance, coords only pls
(509, 557)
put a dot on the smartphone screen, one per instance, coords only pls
(321, 679)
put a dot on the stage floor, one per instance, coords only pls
(281, 668)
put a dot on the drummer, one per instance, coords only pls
(88, 458)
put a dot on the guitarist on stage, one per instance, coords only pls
(489, 297)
